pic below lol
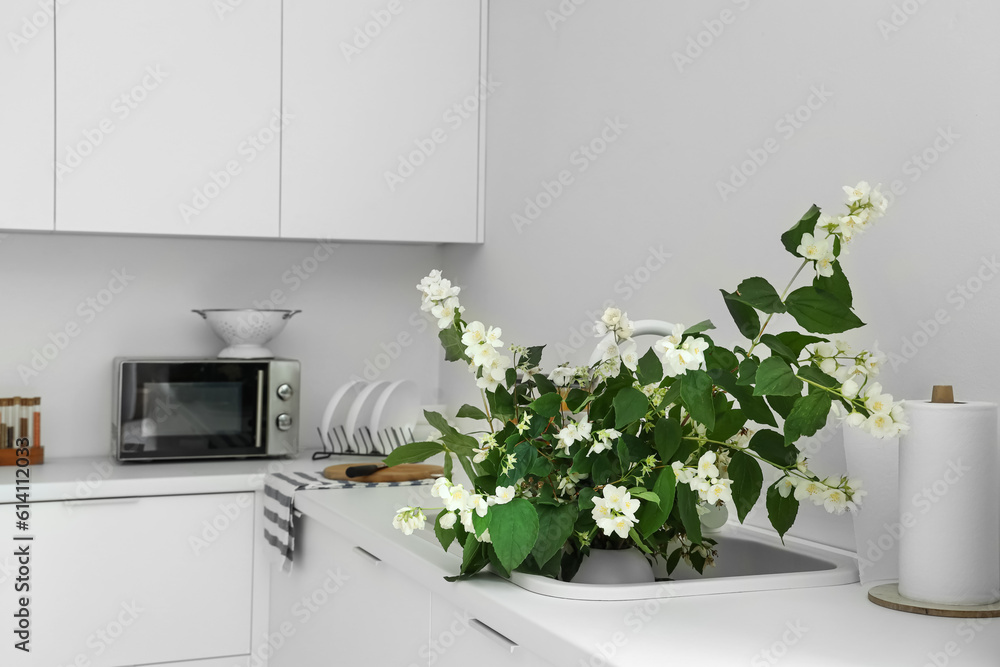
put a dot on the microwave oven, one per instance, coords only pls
(168, 409)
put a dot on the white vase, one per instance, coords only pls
(614, 566)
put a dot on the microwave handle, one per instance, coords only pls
(260, 408)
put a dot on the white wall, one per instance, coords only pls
(890, 95)
(355, 304)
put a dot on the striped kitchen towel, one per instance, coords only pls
(279, 504)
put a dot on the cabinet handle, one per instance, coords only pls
(500, 639)
(369, 555)
(102, 501)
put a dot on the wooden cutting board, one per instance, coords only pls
(400, 473)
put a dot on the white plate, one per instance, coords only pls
(340, 403)
(398, 407)
(360, 414)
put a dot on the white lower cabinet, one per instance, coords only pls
(340, 605)
(135, 581)
(459, 639)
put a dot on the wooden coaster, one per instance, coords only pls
(887, 595)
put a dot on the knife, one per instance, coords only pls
(365, 470)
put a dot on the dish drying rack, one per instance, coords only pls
(362, 442)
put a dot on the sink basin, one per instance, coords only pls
(750, 559)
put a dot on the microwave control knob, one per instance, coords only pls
(284, 421)
(285, 392)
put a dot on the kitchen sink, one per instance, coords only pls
(750, 559)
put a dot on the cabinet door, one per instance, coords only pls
(340, 605)
(135, 581)
(385, 103)
(458, 639)
(27, 79)
(168, 117)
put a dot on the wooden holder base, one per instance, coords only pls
(887, 595)
(8, 457)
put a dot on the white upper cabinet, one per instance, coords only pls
(384, 102)
(27, 70)
(168, 117)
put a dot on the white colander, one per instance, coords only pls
(246, 330)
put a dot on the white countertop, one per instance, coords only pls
(84, 478)
(817, 627)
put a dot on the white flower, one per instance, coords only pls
(786, 485)
(494, 372)
(878, 402)
(812, 248)
(573, 433)
(477, 502)
(858, 192)
(835, 501)
(504, 494)
(828, 366)
(567, 484)
(441, 488)
(855, 419)
(493, 337)
(408, 519)
(849, 389)
(719, 491)
(474, 336)
(524, 423)
(706, 465)
(811, 489)
(602, 440)
(683, 474)
(629, 356)
(881, 425)
(448, 520)
(614, 511)
(445, 312)
(562, 376)
(457, 499)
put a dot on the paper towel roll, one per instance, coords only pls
(875, 462)
(949, 503)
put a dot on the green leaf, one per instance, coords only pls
(496, 563)
(796, 342)
(457, 442)
(555, 525)
(650, 496)
(820, 311)
(525, 453)
(696, 395)
(775, 378)
(481, 523)
(746, 318)
(754, 407)
(470, 412)
(782, 404)
(814, 374)
(513, 529)
(547, 405)
(667, 438)
(748, 372)
(837, 285)
(779, 348)
(653, 515)
(501, 404)
(721, 359)
(632, 450)
(704, 325)
(759, 293)
(413, 453)
(451, 341)
(747, 482)
(576, 399)
(473, 556)
(687, 506)
(445, 535)
(649, 370)
(637, 540)
(781, 511)
(792, 239)
(808, 415)
(630, 405)
(533, 357)
(770, 445)
(728, 422)
(544, 384)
